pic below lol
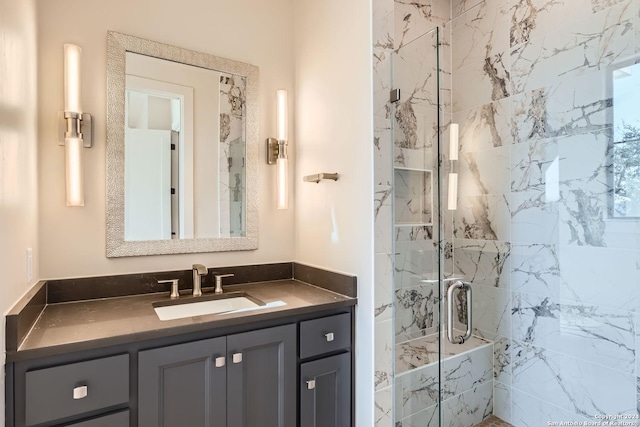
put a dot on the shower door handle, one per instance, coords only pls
(463, 286)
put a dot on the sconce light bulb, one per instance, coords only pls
(282, 189)
(73, 159)
(453, 141)
(452, 199)
(281, 115)
(72, 58)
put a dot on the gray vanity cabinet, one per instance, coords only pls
(325, 392)
(246, 379)
(294, 372)
(325, 377)
(261, 378)
(183, 385)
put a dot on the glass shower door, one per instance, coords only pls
(546, 221)
(418, 231)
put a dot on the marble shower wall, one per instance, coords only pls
(556, 280)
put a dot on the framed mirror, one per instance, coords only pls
(182, 150)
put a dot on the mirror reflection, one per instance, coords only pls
(181, 122)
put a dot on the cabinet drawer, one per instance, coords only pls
(50, 392)
(324, 335)
(121, 419)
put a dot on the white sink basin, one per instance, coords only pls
(201, 306)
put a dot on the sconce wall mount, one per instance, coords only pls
(75, 125)
(276, 149)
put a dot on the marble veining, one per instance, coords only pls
(483, 217)
(486, 126)
(578, 48)
(572, 384)
(593, 333)
(498, 74)
(416, 308)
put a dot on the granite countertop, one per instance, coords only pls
(81, 325)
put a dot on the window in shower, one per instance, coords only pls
(625, 153)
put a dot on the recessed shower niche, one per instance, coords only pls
(413, 196)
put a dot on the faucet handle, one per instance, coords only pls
(174, 287)
(219, 278)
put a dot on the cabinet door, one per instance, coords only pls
(325, 392)
(261, 377)
(181, 385)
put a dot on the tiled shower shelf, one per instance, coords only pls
(423, 351)
(413, 196)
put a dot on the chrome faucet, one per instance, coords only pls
(219, 278)
(199, 270)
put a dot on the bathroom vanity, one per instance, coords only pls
(113, 362)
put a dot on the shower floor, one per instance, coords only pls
(494, 421)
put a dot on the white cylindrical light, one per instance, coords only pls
(452, 199)
(281, 115)
(282, 190)
(73, 159)
(453, 141)
(72, 57)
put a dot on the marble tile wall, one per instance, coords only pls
(555, 278)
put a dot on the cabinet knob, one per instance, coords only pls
(237, 357)
(80, 392)
(311, 384)
(329, 336)
(220, 361)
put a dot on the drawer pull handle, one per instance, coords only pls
(237, 358)
(220, 361)
(311, 384)
(329, 336)
(80, 392)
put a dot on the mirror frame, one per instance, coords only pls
(118, 45)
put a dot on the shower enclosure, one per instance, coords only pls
(507, 173)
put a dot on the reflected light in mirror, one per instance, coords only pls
(452, 199)
(453, 141)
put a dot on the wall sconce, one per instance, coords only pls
(452, 198)
(277, 151)
(76, 126)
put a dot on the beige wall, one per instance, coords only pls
(72, 240)
(18, 158)
(334, 133)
